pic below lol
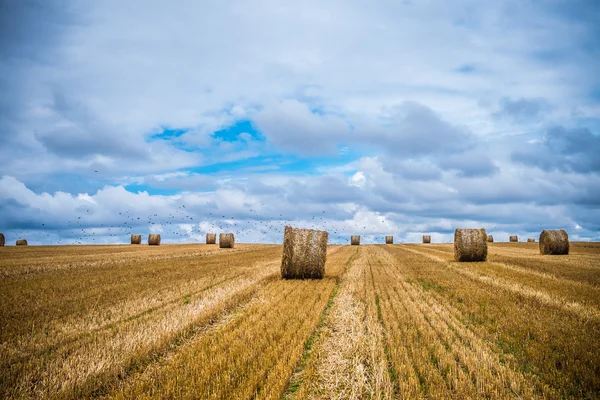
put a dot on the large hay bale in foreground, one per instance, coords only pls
(554, 242)
(154, 239)
(21, 242)
(211, 238)
(530, 240)
(136, 239)
(470, 245)
(355, 240)
(426, 239)
(490, 239)
(226, 240)
(389, 240)
(513, 238)
(304, 253)
(1, 240)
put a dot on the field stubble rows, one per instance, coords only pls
(396, 321)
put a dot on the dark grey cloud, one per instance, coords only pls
(562, 149)
(78, 134)
(292, 126)
(418, 170)
(413, 129)
(470, 164)
(522, 109)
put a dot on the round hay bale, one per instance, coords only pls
(21, 242)
(1, 240)
(490, 239)
(355, 240)
(136, 239)
(530, 240)
(554, 242)
(154, 239)
(470, 245)
(389, 240)
(211, 238)
(226, 240)
(304, 253)
(426, 239)
(513, 238)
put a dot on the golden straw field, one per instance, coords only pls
(385, 322)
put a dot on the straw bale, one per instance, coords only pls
(304, 253)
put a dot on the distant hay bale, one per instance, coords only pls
(1, 240)
(530, 240)
(136, 239)
(211, 238)
(389, 240)
(226, 240)
(470, 245)
(554, 242)
(426, 239)
(304, 253)
(21, 242)
(355, 240)
(154, 239)
(513, 238)
(490, 239)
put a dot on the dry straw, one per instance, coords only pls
(211, 238)
(470, 245)
(304, 253)
(355, 240)
(154, 239)
(490, 239)
(513, 238)
(226, 240)
(136, 239)
(554, 242)
(389, 240)
(530, 240)
(1, 240)
(21, 242)
(426, 239)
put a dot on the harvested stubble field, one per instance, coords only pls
(387, 321)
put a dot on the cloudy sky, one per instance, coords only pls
(357, 117)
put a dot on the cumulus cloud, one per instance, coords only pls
(291, 125)
(522, 109)
(562, 149)
(363, 115)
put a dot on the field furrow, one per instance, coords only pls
(450, 360)
(252, 356)
(541, 338)
(349, 361)
(387, 321)
(43, 365)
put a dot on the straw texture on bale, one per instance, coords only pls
(304, 253)
(389, 240)
(470, 245)
(490, 239)
(226, 241)
(154, 239)
(21, 242)
(136, 239)
(554, 242)
(211, 238)
(513, 238)
(530, 240)
(1, 239)
(355, 240)
(426, 239)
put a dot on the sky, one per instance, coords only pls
(373, 118)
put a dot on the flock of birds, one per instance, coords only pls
(181, 226)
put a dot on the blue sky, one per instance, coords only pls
(402, 118)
